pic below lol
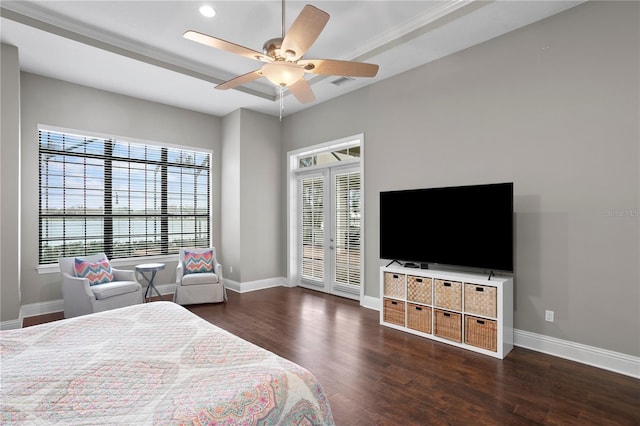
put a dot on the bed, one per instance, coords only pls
(155, 363)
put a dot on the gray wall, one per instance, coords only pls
(62, 104)
(230, 197)
(9, 185)
(552, 107)
(261, 201)
(251, 201)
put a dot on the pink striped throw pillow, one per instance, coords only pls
(196, 262)
(96, 272)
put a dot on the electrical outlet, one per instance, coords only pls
(230, 269)
(548, 316)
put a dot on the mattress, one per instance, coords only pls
(154, 363)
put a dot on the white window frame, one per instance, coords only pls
(54, 268)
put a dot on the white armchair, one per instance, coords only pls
(81, 298)
(199, 277)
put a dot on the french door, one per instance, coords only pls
(329, 215)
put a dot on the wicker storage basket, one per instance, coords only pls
(480, 300)
(419, 317)
(394, 285)
(448, 294)
(480, 332)
(447, 325)
(419, 289)
(394, 311)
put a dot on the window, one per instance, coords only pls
(122, 198)
(329, 156)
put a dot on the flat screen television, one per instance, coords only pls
(467, 226)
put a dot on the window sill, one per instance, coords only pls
(54, 268)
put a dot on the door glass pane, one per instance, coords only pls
(347, 228)
(312, 209)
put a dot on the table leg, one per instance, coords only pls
(153, 277)
(150, 287)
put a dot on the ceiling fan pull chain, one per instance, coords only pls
(281, 101)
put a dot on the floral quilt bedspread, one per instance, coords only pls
(155, 363)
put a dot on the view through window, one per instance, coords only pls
(122, 198)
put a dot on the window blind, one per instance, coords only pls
(122, 198)
(312, 220)
(347, 228)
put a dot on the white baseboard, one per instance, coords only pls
(585, 354)
(370, 303)
(33, 309)
(255, 285)
(590, 355)
(11, 324)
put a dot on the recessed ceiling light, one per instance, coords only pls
(207, 11)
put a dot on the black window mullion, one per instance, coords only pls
(64, 196)
(164, 204)
(69, 165)
(108, 201)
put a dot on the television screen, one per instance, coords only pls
(469, 226)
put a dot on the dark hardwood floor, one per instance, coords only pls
(376, 375)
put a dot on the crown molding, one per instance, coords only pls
(31, 15)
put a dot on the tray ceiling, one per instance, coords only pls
(136, 48)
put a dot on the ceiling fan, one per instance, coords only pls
(282, 56)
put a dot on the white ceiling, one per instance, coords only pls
(136, 47)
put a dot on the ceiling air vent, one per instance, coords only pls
(342, 80)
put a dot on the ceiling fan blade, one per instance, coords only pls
(302, 91)
(343, 68)
(304, 31)
(240, 80)
(227, 46)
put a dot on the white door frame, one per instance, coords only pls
(293, 277)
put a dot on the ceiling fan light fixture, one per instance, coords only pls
(281, 73)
